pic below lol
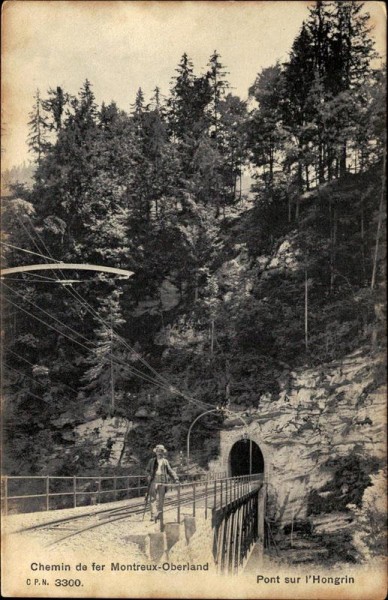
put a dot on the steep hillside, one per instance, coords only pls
(268, 309)
(228, 291)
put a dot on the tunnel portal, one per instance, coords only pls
(239, 458)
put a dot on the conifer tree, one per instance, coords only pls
(55, 105)
(37, 138)
(105, 374)
(265, 131)
(218, 86)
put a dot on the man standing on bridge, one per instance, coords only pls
(159, 471)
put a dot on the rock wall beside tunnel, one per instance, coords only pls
(314, 436)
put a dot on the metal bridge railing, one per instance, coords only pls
(48, 492)
(237, 525)
(236, 506)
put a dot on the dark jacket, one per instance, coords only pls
(166, 471)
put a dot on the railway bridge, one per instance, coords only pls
(232, 501)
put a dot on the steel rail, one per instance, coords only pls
(171, 504)
(105, 516)
(91, 513)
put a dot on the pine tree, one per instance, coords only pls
(265, 132)
(85, 116)
(352, 50)
(218, 86)
(37, 138)
(104, 374)
(55, 105)
(180, 101)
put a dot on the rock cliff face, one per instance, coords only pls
(108, 436)
(321, 434)
(319, 437)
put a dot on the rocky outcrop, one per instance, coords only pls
(319, 436)
(107, 436)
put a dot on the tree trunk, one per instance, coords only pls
(212, 337)
(329, 164)
(270, 167)
(306, 336)
(196, 287)
(297, 209)
(362, 225)
(333, 250)
(233, 177)
(379, 225)
(300, 177)
(124, 444)
(342, 165)
(321, 164)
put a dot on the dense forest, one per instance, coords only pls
(156, 189)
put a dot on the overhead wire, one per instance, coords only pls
(44, 311)
(29, 391)
(130, 348)
(27, 251)
(167, 385)
(21, 357)
(48, 280)
(131, 370)
(95, 313)
(32, 365)
(7, 366)
(28, 233)
(117, 361)
(45, 277)
(75, 293)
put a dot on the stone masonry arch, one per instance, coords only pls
(229, 439)
(245, 457)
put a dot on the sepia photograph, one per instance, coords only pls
(193, 299)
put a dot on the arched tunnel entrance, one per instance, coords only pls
(240, 458)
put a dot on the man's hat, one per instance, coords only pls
(160, 447)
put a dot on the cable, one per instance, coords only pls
(21, 357)
(27, 251)
(45, 312)
(74, 293)
(32, 394)
(23, 374)
(28, 233)
(47, 324)
(133, 371)
(165, 381)
(34, 380)
(130, 348)
(31, 280)
(38, 275)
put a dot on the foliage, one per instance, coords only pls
(369, 525)
(217, 304)
(350, 481)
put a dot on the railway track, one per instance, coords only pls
(77, 525)
(199, 496)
